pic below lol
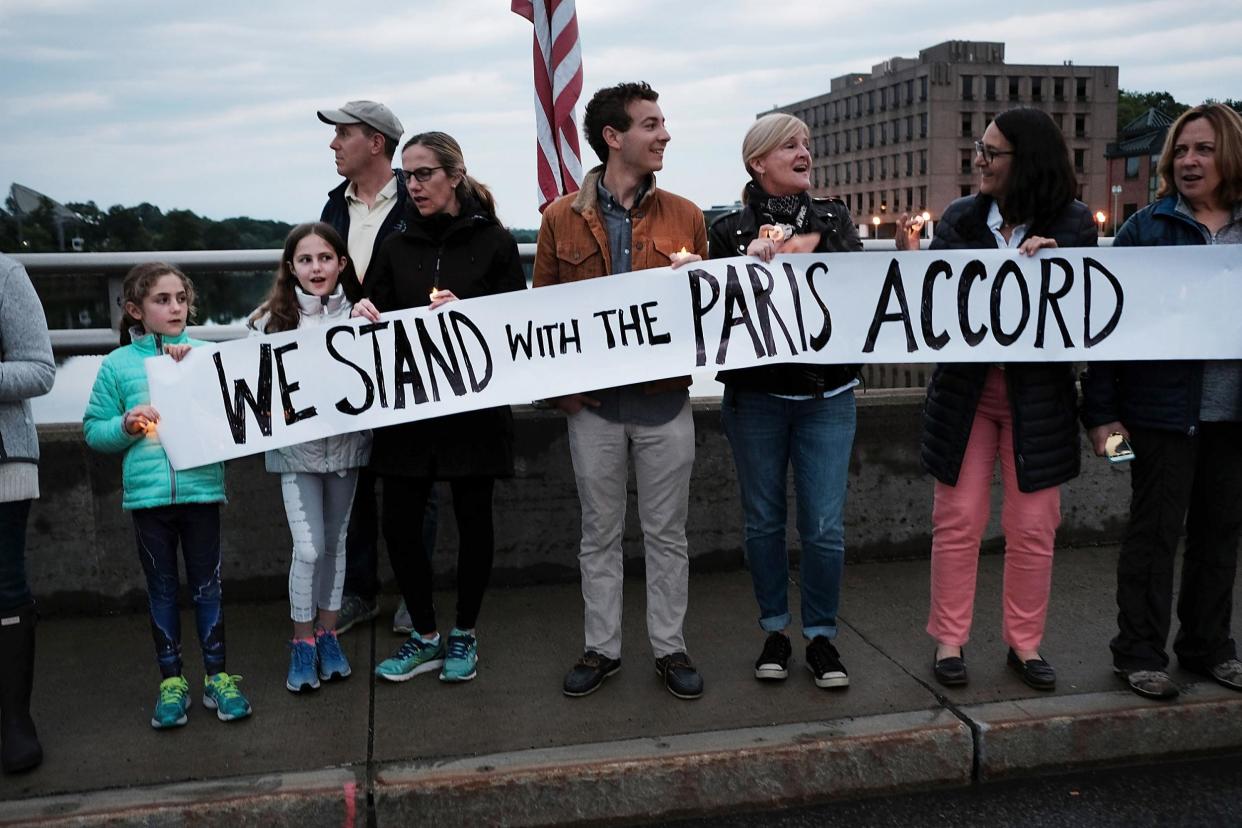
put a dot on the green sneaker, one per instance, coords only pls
(463, 657)
(414, 656)
(220, 694)
(170, 707)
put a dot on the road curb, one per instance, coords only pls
(686, 775)
(332, 797)
(1030, 736)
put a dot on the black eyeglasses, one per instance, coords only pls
(989, 154)
(422, 174)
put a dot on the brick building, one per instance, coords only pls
(900, 138)
(1132, 164)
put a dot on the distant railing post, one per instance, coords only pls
(116, 299)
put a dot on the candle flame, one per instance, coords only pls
(683, 251)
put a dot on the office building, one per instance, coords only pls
(901, 137)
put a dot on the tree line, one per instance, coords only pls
(144, 227)
(1130, 105)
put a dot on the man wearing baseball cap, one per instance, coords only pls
(366, 208)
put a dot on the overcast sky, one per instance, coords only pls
(211, 106)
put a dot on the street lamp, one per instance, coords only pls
(1116, 192)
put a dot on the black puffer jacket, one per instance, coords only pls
(472, 255)
(1042, 396)
(730, 235)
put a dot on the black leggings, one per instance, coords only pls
(406, 498)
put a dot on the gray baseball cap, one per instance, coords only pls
(375, 115)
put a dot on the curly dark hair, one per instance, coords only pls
(1041, 178)
(138, 283)
(281, 304)
(607, 108)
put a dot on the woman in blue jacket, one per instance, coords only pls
(1184, 422)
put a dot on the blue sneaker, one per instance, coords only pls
(332, 662)
(303, 673)
(220, 694)
(463, 657)
(414, 656)
(172, 704)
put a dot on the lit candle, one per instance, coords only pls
(680, 256)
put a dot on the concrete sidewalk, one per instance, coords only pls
(509, 748)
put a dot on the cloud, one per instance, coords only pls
(69, 102)
(211, 107)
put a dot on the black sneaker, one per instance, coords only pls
(589, 673)
(825, 664)
(355, 610)
(679, 675)
(773, 663)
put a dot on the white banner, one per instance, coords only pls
(246, 396)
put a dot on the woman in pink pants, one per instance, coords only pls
(1023, 414)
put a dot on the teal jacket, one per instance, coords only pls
(148, 477)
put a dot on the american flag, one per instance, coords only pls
(558, 83)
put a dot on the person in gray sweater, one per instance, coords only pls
(26, 370)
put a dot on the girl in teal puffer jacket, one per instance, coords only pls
(168, 507)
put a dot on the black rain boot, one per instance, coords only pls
(20, 748)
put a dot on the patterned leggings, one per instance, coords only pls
(317, 506)
(196, 528)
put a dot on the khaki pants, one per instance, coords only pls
(663, 456)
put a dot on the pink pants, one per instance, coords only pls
(960, 515)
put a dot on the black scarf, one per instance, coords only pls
(794, 210)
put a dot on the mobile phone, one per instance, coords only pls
(1117, 449)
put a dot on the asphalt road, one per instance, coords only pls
(1205, 792)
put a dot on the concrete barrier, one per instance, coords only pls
(81, 547)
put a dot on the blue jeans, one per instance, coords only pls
(14, 591)
(767, 433)
(196, 526)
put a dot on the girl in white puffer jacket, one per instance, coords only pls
(315, 285)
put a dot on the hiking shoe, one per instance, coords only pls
(414, 656)
(355, 610)
(462, 658)
(303, 672)
(220, 694)
(401, 621)
(773, 662)
(332, 662)
(1150, 684)
(825, 664)
(173, 702)
(1228, 673)
(588, 673)
(680, 677)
